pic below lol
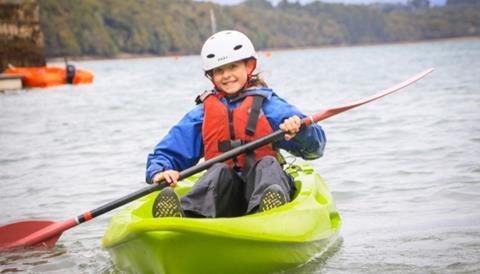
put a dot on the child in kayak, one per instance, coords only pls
(239, 109)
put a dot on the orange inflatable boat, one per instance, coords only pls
(51, 76)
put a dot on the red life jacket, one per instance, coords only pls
(225, 129)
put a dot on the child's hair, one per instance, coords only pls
(257, 81)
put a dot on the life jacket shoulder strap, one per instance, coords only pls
(255, 110)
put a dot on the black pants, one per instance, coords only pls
(221, 192)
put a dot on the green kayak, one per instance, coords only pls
(278, 239)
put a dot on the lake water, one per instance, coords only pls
(404, 171)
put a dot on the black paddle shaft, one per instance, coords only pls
(272, 137)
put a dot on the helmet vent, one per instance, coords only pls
(211, 55)
(237, 47)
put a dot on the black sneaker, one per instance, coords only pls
(272, 197)
(167, 204)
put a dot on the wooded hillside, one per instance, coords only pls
(163, 27)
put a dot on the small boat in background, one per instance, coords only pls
(51, 76)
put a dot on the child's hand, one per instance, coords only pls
(292, 125)
(170, 176)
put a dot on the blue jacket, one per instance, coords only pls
(182, 147)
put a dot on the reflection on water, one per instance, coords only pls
(404, 171)
(319, 262)
(20, 261)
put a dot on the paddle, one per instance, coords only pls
(46, 233)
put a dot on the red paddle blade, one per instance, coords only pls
(11, 233)
(32, 233)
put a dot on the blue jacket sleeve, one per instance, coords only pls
(181, 148)
(308, 143)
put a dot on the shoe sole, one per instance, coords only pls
(166, 205)
(272, 199)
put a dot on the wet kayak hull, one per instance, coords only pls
(170, 252)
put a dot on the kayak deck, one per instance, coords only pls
(277, 239)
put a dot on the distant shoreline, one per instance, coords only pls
(127, 56)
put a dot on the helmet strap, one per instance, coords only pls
(250, 73)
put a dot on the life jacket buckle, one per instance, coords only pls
(200, 98)
(227, 145)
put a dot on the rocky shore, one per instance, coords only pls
(21, 39)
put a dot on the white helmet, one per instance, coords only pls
(225, 47)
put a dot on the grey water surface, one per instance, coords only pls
(404, 170)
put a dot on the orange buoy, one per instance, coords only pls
(51, 76)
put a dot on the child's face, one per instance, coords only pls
(231, 78)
